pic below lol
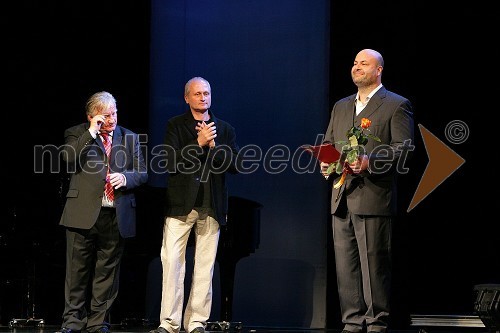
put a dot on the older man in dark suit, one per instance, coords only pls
(106, 165)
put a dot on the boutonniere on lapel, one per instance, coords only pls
(351, 149)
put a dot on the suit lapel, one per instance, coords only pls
(373, 104)
(190, 123)
(350, 112)
(98, 139)
(114, 158)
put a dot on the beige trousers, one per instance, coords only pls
(173, 258)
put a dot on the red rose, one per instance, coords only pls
(365, 123)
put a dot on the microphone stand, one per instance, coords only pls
(30, 320)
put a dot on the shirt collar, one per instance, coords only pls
(369, 95)
(110, 134)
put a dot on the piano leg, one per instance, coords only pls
(238, 238)
(227, 269)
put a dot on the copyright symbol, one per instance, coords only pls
(456, 131)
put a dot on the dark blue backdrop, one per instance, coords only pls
(267, 63)
(276, 67)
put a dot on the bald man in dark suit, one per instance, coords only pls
(363, 208)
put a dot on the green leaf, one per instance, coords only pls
(346, 147)
(363, 140)
(353, 141)
(352, 156)
(339, 168)
(376, 138)
(331, 168)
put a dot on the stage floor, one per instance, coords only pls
(419, 324)
(53, 329)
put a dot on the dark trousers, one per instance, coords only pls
(93, 260)
(363, 261)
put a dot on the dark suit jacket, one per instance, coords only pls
(188, 164)
(374, 193)
(87, 162)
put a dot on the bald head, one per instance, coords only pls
(367, 69)
(369, 53)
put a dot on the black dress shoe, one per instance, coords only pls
(67, 330)
(198, 330)
(103, 329)
(159, 330)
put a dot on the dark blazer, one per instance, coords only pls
(87, 162)
(188, 164)
(374, 193)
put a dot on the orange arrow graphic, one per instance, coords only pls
(442, 163)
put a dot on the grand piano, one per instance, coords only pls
(239, 238)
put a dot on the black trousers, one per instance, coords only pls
(93, 259)
(363, 261)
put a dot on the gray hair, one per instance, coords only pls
(99, 101)
(196, 78)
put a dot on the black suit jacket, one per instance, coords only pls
(188, 164)
(87, 162)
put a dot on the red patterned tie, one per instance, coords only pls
(108, 188)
